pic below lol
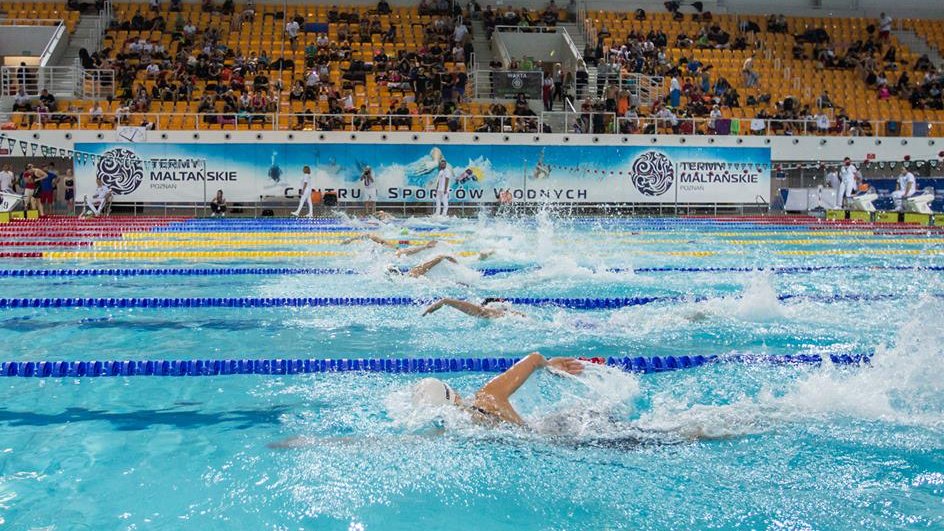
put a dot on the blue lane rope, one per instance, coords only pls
(182, 271)
(278, 366)
(491, 271)
(301, 302)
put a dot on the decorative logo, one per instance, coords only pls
(517, 82)
(653, 173)
(120, 170)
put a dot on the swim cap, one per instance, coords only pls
(432, 392)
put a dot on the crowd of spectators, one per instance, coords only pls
(228, 84)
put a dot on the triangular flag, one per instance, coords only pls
(23, 147)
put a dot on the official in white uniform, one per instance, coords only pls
(906, 187)
(442, 188)
(849, 178)
(96, 203)
(304, 188)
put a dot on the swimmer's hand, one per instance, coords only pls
(484, 255)
(431, 243)
(568, 365)
(434, 306)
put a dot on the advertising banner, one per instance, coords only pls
(174, 173)
(508, 84)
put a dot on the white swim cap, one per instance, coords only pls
(432, 392)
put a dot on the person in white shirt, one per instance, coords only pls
(153, 70)
(713, 118)
(98, 115)
(291, 31)
(822, 123)
(848, 180)
(905, 187)
(460, 33)
(304, 189)
(6, 179)
(370, 190)
(442, 188)
(884, 26)
(96, 203)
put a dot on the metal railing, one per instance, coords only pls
(62, 81)
(643, 90)
(557, 121)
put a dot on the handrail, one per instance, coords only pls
(51, 45)
(429, 122)
(30, 21)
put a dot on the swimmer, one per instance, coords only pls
(491, 404)
(425, 267)
(490, 308)
(384, 216)
(400, 245)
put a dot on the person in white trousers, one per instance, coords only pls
(442, 188)
(304, 188)
(906, 187)
(849, 177)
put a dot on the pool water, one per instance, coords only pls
(721, 446)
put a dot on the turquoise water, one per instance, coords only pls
(785, 447)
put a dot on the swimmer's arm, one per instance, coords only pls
(494, 397)
(425, 267)
(418, 249)
(484, 255)
(465, 307)
(372, 237)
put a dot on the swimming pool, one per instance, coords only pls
(797, 446)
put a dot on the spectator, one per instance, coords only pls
(370, 191)
(96, 113)
(822, 123)
(218, 205)
(48, 99)
(750, 75)
(22, 103)
(823, 101)
(884, 27)
(291, 31)
(383, 8)
(713, 118)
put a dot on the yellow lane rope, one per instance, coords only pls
(168, 244)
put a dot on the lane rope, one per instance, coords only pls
(305, 302)
(491, 271)
(279, 366)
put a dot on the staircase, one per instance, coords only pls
(87, 35)
(916, 44)
(576, 34)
